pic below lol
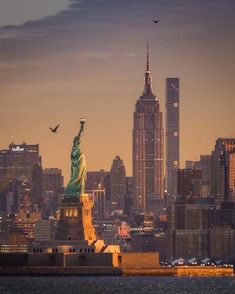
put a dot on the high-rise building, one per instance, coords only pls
(17, 161)
(223, 171)
(205, 166)
(36, 192)
(117, 184)
(11, 192)
(52, 180)
(189, 182)
(98, 185)
(172, 135)
(52, 189)
(189, 164)
(189, 227)
(148, 148)
(98, 209)
(128, 201)
(27, 216)
(96, 179)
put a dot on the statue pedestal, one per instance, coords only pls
(75, 222)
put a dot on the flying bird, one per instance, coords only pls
(54, 130)
(156, 21)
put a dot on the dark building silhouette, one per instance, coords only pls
(225, 215)
(117, 184)
(172, 135)
(222, 243)
(205, 166)
(53, 189)
(128, 201)
(190, 182)
(36, 192)
(11, 192)
(98, 185)
(223, 170)
(148, 149)
(17, 161)
(99, 208)
(149, 242)
(53, 180)
(96, 179)
(189, 228)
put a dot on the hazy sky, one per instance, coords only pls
(89, 59)
(18, 11)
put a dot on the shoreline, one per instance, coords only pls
(191, 271)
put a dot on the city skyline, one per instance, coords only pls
(88, 61)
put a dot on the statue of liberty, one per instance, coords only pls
(76, 185)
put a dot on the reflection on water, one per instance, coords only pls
(96, 285)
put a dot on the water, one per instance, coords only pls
(113, 285)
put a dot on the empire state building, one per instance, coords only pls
(148, 148)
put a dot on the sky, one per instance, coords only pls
(60, 60)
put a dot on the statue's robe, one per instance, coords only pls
(76, 185)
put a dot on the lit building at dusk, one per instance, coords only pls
(52, 189)
(36, 192)
(98, 198)
(117, 184)
(189, 228)
(223, 171)
(148, 148)
(172, 135)
(17, 161)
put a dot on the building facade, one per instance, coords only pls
(99, 209)
(205, 166)
(172, 135)
(223, 171)
(189, 228)
(17, 161)
(96, 179)
(53, 180)
(117, 184)
(36, 192)
(148, 148)
(189, 182)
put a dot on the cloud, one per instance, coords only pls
(107, 25)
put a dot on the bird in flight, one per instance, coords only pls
(54, 130)
(156, 21)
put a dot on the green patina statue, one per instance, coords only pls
(76, 185)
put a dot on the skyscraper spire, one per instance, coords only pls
(148, 149)
(148, 67)
(148, 79)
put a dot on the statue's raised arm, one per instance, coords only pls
(76, 185)
(77, 139)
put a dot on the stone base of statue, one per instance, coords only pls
(75, 221)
